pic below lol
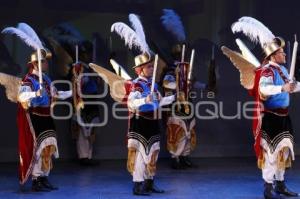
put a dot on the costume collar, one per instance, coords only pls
(144, 78)
(35, 72)
(274, 64)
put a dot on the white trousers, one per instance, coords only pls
(271, 172)
(37, 169)
(183, 148)
(84, 146)
(140, 169)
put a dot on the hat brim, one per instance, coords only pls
(30, 62)
(143, 64)
(169, 85)
(45, 55)
(280, 44)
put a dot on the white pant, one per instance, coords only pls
(140, 171)
(37, 169)
(84, 146)
(183, 148)
(270, 170)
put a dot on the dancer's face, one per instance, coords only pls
(147, 70)
(279, 56)
(44, 63)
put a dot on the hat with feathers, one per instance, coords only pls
(134, 39)
(172, 22)
(258, 33)
(30, 38)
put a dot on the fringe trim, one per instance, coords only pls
(45, 143)
(187, 127)
(285, 142)
(142, 142)
(283, 162)
(133, 143)
(278, 156)
(193, 139)
(46, 156)
(131, 159)
(277, 140)
(261, 160)
(179, 131)
(175, 135)
(151, 166)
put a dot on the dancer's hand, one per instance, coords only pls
(149, 98)
(289, 87)
(39, 92)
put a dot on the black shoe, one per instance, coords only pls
(281, 188)
(47, 184)
(269, 192)
(138, 189)
(186, 161)
(176, 164)
(37, 186)
(151, 187)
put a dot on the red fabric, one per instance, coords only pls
(26, 145)
(267, 72)
(136, 87)
(183, 75)
(256, 123)
(77, 71)
(281, 111)
(40, 110)
(127, 85)
(78, 68)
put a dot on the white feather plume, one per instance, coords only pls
(254, 29)
(23, 36)
(172, 22)
(31, 33)
(119, 69)
(138, 27)
(247, 54)
(130, 37)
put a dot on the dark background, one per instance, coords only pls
(207, 23)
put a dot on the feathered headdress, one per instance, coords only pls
(133, 38)
(254, 29)
(26, 34)
(258, 33)
(172, 22)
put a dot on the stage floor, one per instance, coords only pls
(213, 178)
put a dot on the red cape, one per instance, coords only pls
(256, 123)
(26, 144)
